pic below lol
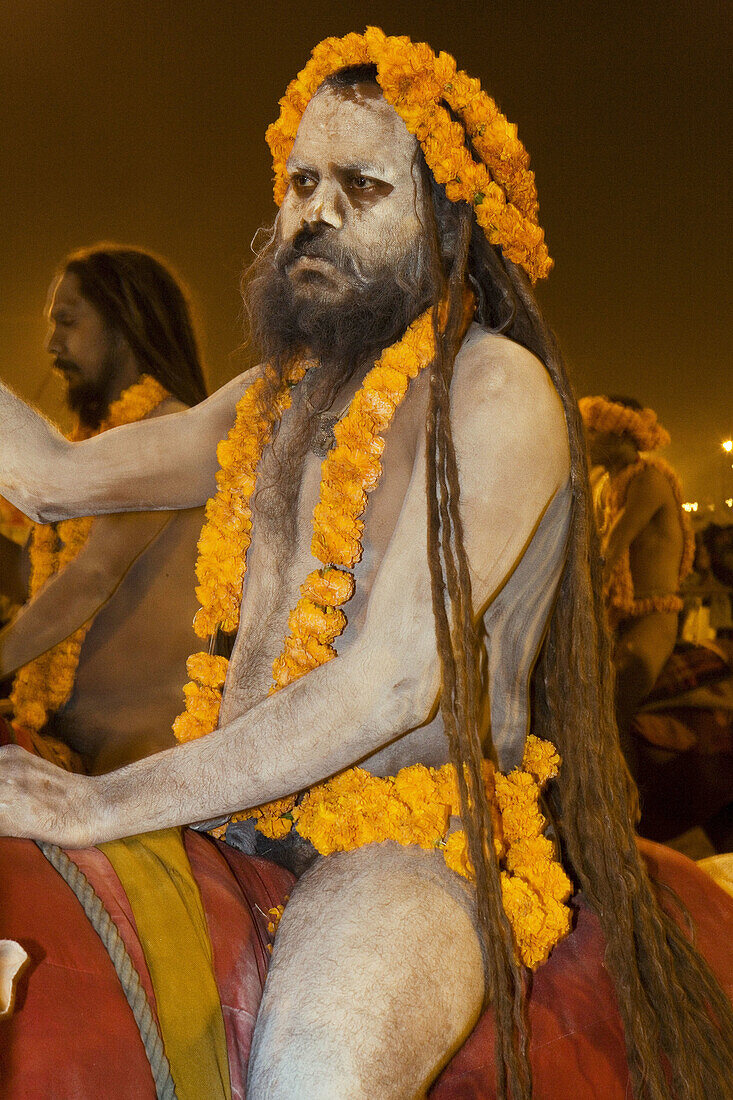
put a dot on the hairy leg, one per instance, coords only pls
(376, 979)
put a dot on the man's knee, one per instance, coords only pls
(378, 945)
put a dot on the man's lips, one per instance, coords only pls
(311, 263)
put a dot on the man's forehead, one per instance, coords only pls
(64, 293)
(359, 129)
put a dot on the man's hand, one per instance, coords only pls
(43, 802)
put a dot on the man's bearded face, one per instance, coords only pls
(351, 210)
(85, 352)
(350, 265)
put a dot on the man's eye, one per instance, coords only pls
(361, 183)
(302, 183)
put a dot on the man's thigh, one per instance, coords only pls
(647, 642)
(376, 979)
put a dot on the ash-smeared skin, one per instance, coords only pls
(649, 528)
(374, 705)
(371, 202)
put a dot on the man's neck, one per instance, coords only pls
(617, 466)
(128, 374)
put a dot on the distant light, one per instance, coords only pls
(690, 506)
(729, 502)
(728, 445)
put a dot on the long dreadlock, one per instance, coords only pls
(678, 1023)
(674, 1012)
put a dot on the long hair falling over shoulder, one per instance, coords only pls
(460, 681)
(138, 297)
(678, 1023)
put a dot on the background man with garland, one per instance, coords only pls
(100, 645)
(646, 541)
(682, 768)
(381, 253)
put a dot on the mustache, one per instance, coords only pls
(66, 366)
(319, 246)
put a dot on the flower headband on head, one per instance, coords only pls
(421, 87)
(611, 416)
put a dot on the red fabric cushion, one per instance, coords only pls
(576, 1037)
(73, 1035)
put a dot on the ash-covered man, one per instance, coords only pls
(101, 643)
(647, 542)
(384, 955)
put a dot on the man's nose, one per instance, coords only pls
(325, 206)
(53, 342)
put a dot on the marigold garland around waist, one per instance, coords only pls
(416, 807)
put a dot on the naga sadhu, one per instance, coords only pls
(399, 545)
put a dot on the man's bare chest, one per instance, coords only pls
(280, 558)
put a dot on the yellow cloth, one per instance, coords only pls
(165, 900)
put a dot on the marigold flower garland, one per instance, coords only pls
(619, 591)
(44, 685)
(642, 425)
(350, 471)
(421, 86)
(356, 808)
(416, 806)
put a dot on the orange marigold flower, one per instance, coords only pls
(541, 759)
(391, 383)
(324, 624)
(207, 669)
(537, 923)
(202, 702)
(188, 728)
(456, 854)
(328, 586)
(347, 496)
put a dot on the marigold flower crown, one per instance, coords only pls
(424, 88)
(642, 425)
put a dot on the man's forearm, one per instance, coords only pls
(320, 725)
(158, 463)
(30, 451)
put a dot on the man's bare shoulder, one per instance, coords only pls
(651, 484)
(501, 389)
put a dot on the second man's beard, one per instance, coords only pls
(90, 398)
(343, 333)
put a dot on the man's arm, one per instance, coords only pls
(162, 462)
(512, 450)
(646, 494)
(74, 596)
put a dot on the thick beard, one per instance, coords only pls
(90, 400)
(344, 335)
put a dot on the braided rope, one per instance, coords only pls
(107, 931)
